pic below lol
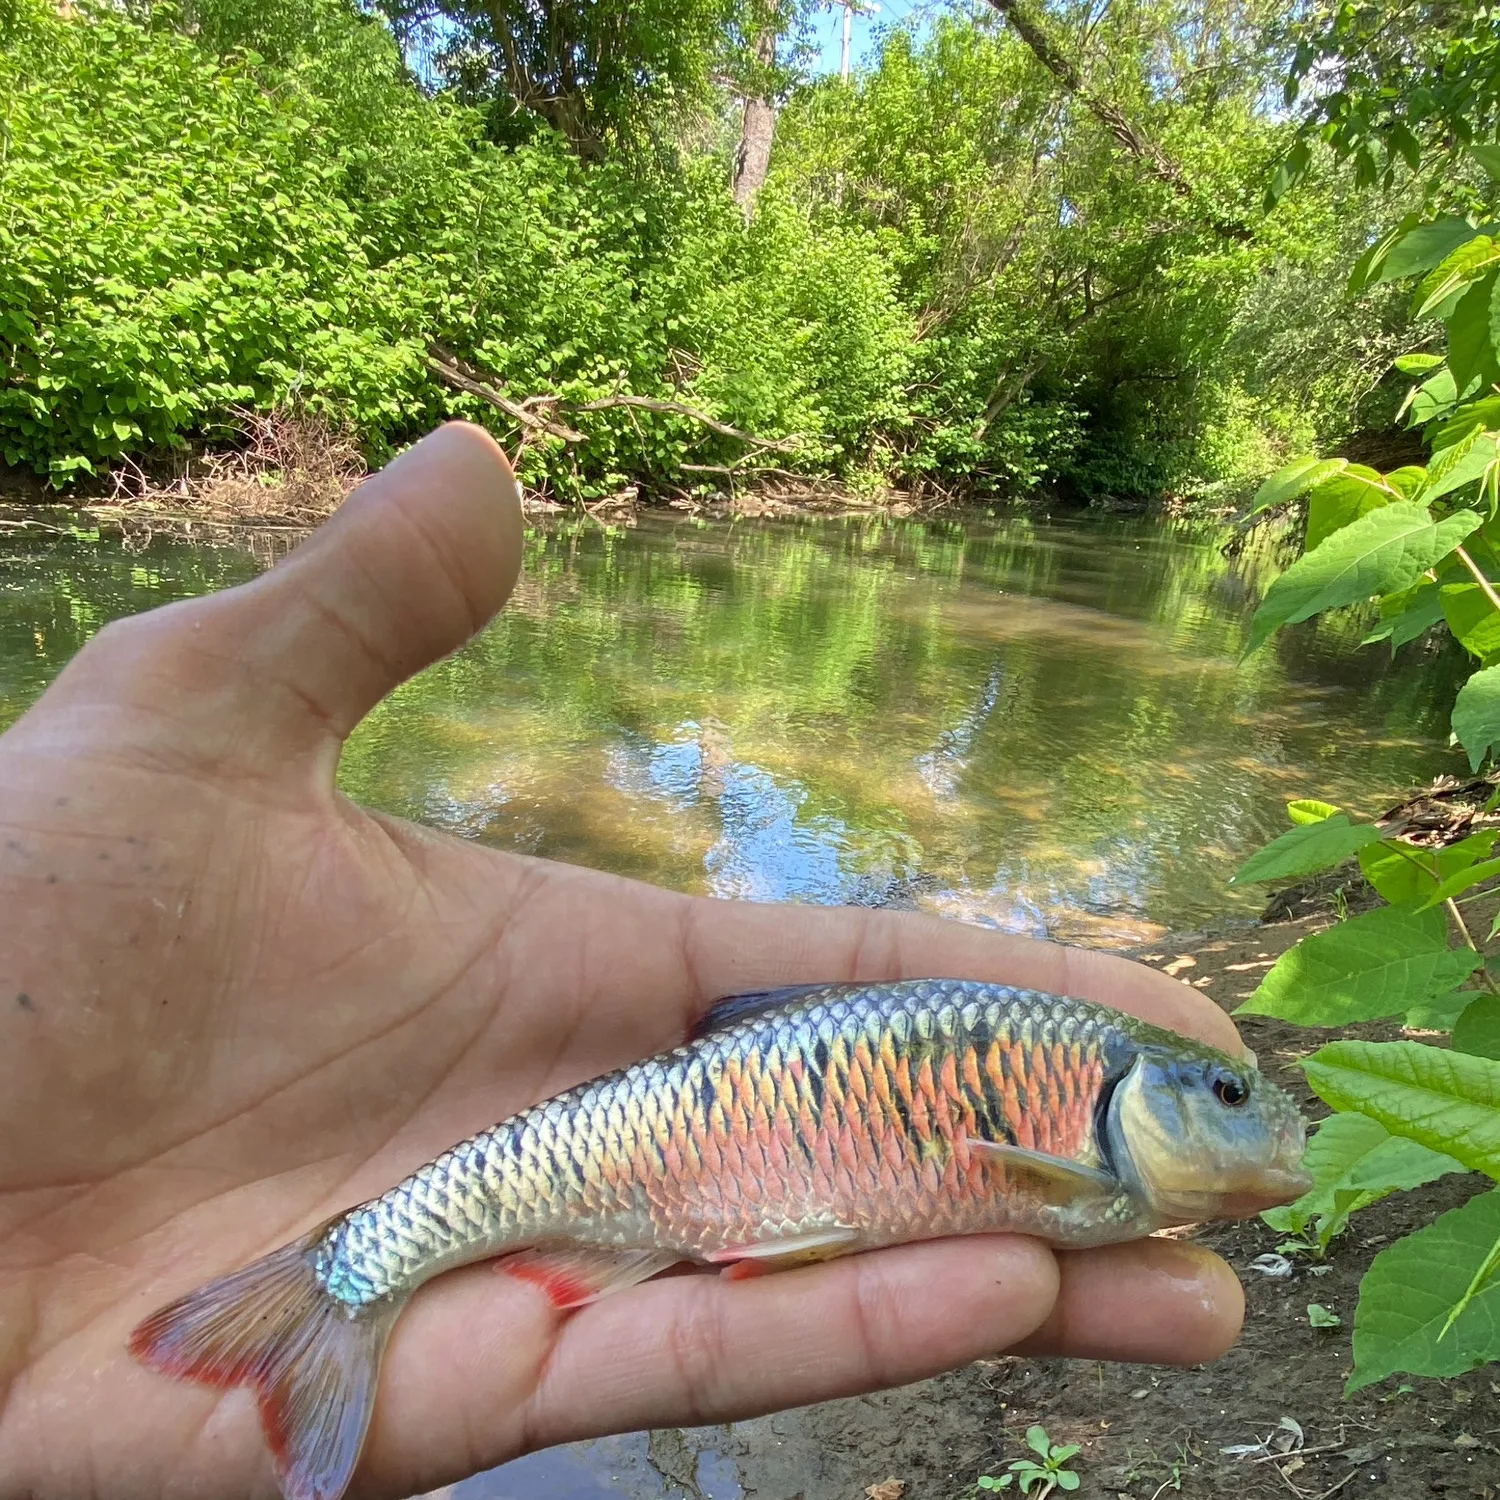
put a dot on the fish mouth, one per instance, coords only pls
(1271, 1190)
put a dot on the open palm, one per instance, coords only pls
(232, 1004)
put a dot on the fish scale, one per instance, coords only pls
(832, 1113)
(796, 1125)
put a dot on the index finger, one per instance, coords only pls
(737, 946)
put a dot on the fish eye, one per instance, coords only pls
(1228, 1090)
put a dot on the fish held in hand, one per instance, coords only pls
(794, 1126)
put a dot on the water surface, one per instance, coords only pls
(1040, 726)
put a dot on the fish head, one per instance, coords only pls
(1199, 1135)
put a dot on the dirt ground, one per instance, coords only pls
(1151, 1433)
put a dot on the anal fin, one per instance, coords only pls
(1059, 1180)
(580, 1274)
(778, 1255)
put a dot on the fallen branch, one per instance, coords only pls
(465, 378)
(449, 367)
(678, 409)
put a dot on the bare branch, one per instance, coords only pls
(676, 408)
(467, 379)
(1032, 30)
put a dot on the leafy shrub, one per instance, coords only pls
(1423, 541)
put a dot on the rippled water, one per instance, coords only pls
(1045, 727)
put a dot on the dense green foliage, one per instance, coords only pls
(1410, 85)
(953, 275)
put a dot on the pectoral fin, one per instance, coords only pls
(779, 1255)
(1059, 1180)
(578, 1275)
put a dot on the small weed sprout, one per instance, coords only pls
(1033, 1478)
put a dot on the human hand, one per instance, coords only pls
(232, 1004)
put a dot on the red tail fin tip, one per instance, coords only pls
(312, 1361)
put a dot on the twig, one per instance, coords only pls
(1334, 1489)
(1479, 578)
(1484, 973)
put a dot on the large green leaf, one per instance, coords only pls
(1354, 1162)
(1469, 459)
(1383, 963)
(1342, 498)
(1474, 621)
(1476, 715)
(1488, 157)
(1469, 263)
(1469, 351)
(1294, 479)
(1306, 849)
(1405, 876)
(1424, 247)
(1448, 1101)
(1387, 550)
(1477, 1030)
(1408, 1296)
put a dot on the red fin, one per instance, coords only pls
(312, 1361)
(579, 1275)
(794, 1250)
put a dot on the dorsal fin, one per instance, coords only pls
(732, 1008)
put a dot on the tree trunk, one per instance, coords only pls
(753, 160)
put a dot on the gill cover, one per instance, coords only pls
(1195, 1134)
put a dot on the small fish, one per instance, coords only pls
(794, 1126)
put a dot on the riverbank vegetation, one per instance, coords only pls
(653, 246)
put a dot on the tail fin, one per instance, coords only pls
(312, 1360)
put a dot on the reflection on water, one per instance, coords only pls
(1041, 727)
(1044, 727)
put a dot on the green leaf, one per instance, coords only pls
(1387, 550)
(1354, 1162)
(1038, 1441)
(1447, 1101)
(1067, 1479)
(1309, 810)
(1456, 884)
(1368, 266)
(1474, 621)
(1432, 399)
(1406, 615)
(1477, 1030)
(1404, 875)
(1343, 498)
(1466, 265)
(1306, 849)
(1470, 356)
(1476, 715)
(1488, 157)
(1320, 1317)
(1408, 1295)
(1381, 963)
(1424, 247)
(1293, 480)
(1417, 364)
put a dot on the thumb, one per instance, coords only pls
(415, 562)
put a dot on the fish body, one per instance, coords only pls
(794, 1126)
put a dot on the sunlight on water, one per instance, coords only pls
(1041, 727)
